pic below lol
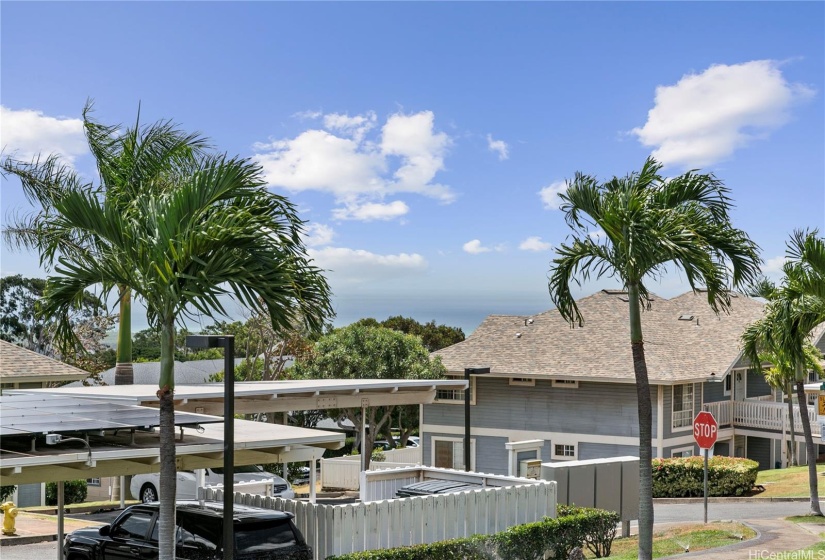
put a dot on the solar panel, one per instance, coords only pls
(27, 415)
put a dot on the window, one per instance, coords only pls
(565, 383)
(456, 396)
(728, 384)
(135, 526)
(682, 406)
(448, 453)
(93, 481)
(682, 452)
(564, 451)
(522, 381)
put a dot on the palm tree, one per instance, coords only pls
(650, 222)
(219, 232)
(129, 162)
(784, 331)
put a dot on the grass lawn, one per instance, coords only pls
(101, 505)
(787, 483)
(674, 540)
(809, 519)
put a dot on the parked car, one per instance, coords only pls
(384, 445)
(144, 487)
(260, 534)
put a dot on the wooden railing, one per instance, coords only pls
(760, 414)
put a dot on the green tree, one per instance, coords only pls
(130, 162)
(434, 337)
(783, 333)
(650, 223)
(218, 232)
(359, 352)
(21, 324)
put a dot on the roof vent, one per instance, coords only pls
(686, 317)
(615, 292)
(518, 335)
(528, 322)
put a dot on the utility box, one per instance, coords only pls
(530, 468)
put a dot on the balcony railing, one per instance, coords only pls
(759, 414)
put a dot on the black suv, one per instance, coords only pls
(260, 534)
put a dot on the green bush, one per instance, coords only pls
(6, 491)
(574, 527)
(683, 477)
(74, 492)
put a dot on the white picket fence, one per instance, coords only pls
(345, 472)
(332, 530)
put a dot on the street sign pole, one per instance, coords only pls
(705, 431)
(706, 486)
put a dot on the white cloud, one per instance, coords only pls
(550, 195)
(354, 266)
(308, 115)
(498, 146)
(475, 247)
(356, 126)
(535, 244)
(358, 171)
(27, 133)
(774, 266)
(597, 235)
(318, 234)
(705, 117)
(371, 211)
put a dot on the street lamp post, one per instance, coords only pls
(467, 373)
(227, 342)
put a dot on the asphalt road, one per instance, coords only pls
(665, 513)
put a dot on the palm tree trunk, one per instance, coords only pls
(645, 426)
(809, 445)
(168, 472)
(792, 451)
(124, 374)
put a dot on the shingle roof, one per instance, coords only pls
(18, 364)
(675, 349)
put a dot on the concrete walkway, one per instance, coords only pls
(37, 527)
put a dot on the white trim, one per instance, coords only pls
(522, 381)
(681, 450)
(727, 385)
(660, 421)
(460, 401)
(434, 439)
(518, 435)
(555, 456)
(565, 384)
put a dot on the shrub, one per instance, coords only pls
(6, 491)
(575, 526)
(74, 492)
(682, 477)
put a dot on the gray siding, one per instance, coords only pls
(602, 450)
(715, 392)
(756, 384)
(607, 409)
(759, 450)
(29, 495)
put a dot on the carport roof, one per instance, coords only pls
(272, 396)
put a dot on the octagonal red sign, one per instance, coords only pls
(705, 429)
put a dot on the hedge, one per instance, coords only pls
(683, 477)
(74, 492)
(593, 528)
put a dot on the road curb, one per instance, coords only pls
(718, 500)
(32, 539)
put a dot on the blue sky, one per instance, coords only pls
(423, 141)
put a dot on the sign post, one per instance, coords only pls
(705, 431)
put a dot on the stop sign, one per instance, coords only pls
(705, 430)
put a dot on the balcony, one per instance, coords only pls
(761, 415)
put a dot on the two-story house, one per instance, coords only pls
(555, 392)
